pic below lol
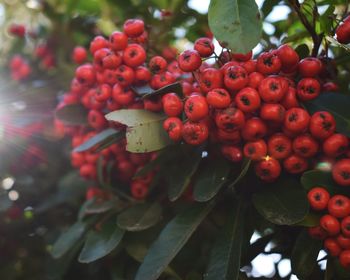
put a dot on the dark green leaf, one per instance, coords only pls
(242, 173)
(224, 262)
(282, 203)
(317, 178)
(107, 136)
(232, 20)
(303, 51)
(335, 103)
(210, 179)
(147, 92)
(172, 238)
(140, 217)
(100, 243)
(180, 173)
(75, 114)
(98, 207)
(310, 220)
(68, 239)
(304, 254)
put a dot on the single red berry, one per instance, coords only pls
(335, 145)
(236, 78)
(142, 75)
(339, 206)
(123, 96)
(295, 164)
(290, 99)
(288, 56)
(308, 89)
(139, 190)
(157, 64)
(279, 146)
(195, 133)
(322, 125)
(189, 60)
(332, 247)
(296, 120)
(343, 241)
(344, 257)
(305, 146)
(255, 79)
(210, 79)
(248, 100)
(79, 55)
(254, 129)
(268, 169)
(231, 137)
(271, 89)
(124, 75)
(196, 107)
(172, 104)
(268, 63)
(242, 56)
(173, 126)
(96, 120)
(232, 153)
(85, 75)
(204, 46)
(134, 55)
(345, 226)
(230, 119)
(118, 41)
(134, 27)
(256, 150)
(153, 104)
(318, 198)
(218, 98)
(330, 224)
(272, 112)
(341, 172)
(103, 93)
(310, 67)
(98, 43)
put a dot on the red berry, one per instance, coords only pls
(248, 100)
(236, 78)
(272, 112)
(279, 146)
(268, 169)
(204, 46)
(308, 89)
(271, 89)
(230, 119)
(295, 164)
(218, 98)
(134, 27)
(255, 79)
(339, 206)
(210, 79)
(310, 67)
(157, 64)
(344, 259)
(256, 150)
(79, 55)
(254, 129)
(288, 56)
(341, 172)
(322, 125)
(343, 241)
(118, 41)
(332, 247)
(268, 63)
(189, 60)
(330, 224)
(305, 146)
(134, 55)
(96, 119)
(317, 232)
(335, 145)
(195, 133)
(172, 104)
(196, 107)
(318, 198)
(173, 126)
(296, 120)
(232, 152)
(139, 190)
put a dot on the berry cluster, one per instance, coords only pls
(334, 227)
(20, 68)
(253, 108)
(108, 84)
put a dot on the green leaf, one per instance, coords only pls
(180, 173)
(75, 114)
(317, 178)
(304, 254)
(335, 103)
(310, 220)
(108, 137)
(224, 262)
(242, 173)
(145, 131)
(210, 179)
(302, 50)
(100, 243)
(282, 203)
(172, 238)
(175, 87)
(232, 20)
(140, 217)
(68, 239)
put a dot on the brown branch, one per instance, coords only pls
(316, 38)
